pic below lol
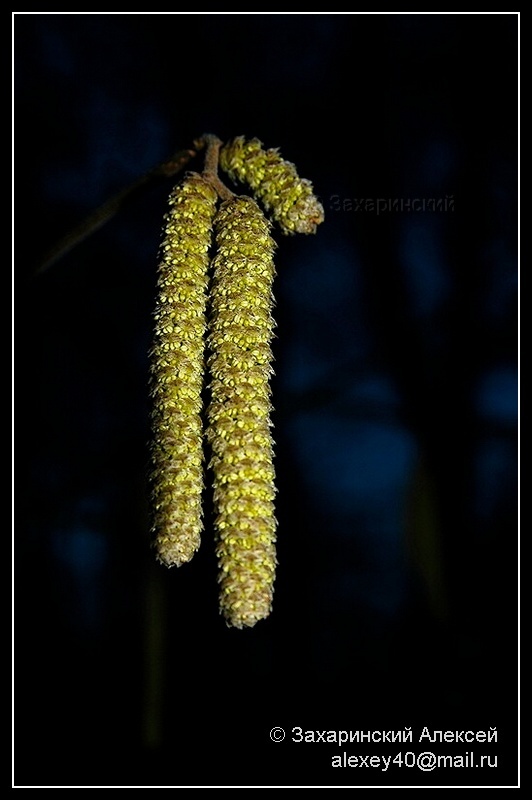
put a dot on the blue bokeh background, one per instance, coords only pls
(395, 393)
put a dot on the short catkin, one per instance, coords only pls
(238, 414)
(274, 182)
(177, 370)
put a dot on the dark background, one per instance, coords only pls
(396, 401)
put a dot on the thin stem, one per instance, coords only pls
(175, 164)
(210, 168)
(213, 145)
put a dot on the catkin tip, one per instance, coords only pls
(275, 182)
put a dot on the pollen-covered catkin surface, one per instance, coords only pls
(274, 182)
(239, 426)
(177, 369)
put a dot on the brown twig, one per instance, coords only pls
(210, 169)
(175, 164)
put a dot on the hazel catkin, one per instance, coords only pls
(239, 425)
(275, 182)
(177, 371)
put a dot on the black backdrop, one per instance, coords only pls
(395, 400)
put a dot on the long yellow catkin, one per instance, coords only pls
(239, 426)
(275, 182)
(177, 368)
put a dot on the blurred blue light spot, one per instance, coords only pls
(495, 477)
(328, 330)
(82, 551)
(425, 272)
(57, 53)
(349, 463)
(82, 555)
(436, 164)
(381, 587)
(497, 396)
(376, 391)
(358, 473)
(502, 280)
(324, 278)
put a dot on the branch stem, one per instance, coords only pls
(175, 164)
